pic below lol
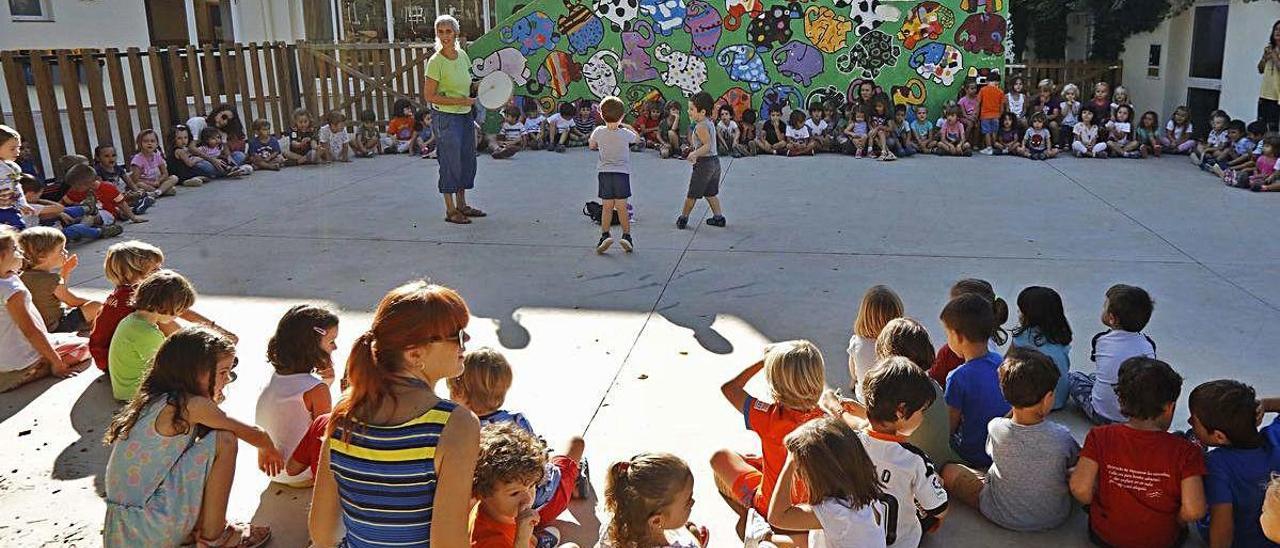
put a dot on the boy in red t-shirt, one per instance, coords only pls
(795, 374)
(1141, 484)
(990, 107)
(509, 467)
(647, 124)
(82, 182)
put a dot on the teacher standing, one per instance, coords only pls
(1269, 68)
(448, 89)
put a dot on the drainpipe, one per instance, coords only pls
(193, 36)
(391, 23)
(236, 32)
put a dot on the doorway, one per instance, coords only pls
(1204, 74)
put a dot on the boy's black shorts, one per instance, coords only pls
(614, 186)
(705, 181)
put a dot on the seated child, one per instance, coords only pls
(535, 126)
(922, 129)
(879, 305)
(367, 142)
(104, 164)
(973, 389)
(84, 189)
(208, 150)
(727, 133)
(1008, 137)
(482, 388)
(298, 392)
(1264, 178)
(669, 132)
(264, 148)
(846, 504)
(1042, 325)
(952, 140)
(44, 251)
(13, 203)
(800, 141)
(509, 140)
(947, 360)
(905, 337)
(424, 139)
(559, 125)
(335, 138)
(1225, 416)
(1217, 142)
(649, 498)
(148, 170)
(1101, 103)
(400, 131)
(1086, 143)
(511, 463)
(1179, 134)
(902, 140)
(1141, 484)
(303, 148)
(795, 375)
(181, 161)
(747, 135)
(773, 136)
(74, 221)
(1120, 139)
(126, 265)
(1070, 108)
(647, 124)
(878, 122)
(161, 463)
(306, 457)
(1026, 487)
(1037, 143)
(1147, 134)
(159, 299)
(818, 127)
(27, 351)
(1125, 312)
(583, 124)
(1247, 150)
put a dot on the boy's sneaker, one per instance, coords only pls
(627, 244)
(988, 151)
(111, 231)
(718, 220)
(547, 537)
(603, 244)
(144, 203)
(682, 222)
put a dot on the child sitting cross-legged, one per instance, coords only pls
(795, 375)
(973, 389)
(44, 251)
(905, 337)
(1026, 487)
(75, 222)
(511, 464)
(1125, 312)
(1225, 416)
(534, 132)
(509, 140)
(482, 388)
(399, 128)
(148, 170)
(84, 188)
(583, 124)
(1142, 484)
(264, 148)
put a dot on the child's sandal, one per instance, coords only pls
(243, 535)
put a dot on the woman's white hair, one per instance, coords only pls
(453, 23)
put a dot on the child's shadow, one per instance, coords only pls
(18, 399)
(703, 332)
(285, 510)
(87, 456)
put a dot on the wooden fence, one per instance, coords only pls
(157, 88)
(1080, 73)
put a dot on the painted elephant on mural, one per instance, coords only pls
(742, 63)
(799, 61)
(531, 33)
(685, 72)
(982, 33)
(637, 66)
(507, 60)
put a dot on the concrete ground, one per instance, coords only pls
(629, 350)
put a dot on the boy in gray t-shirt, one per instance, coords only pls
(613, 140)
(1026, 487)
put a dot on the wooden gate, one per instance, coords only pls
(355, 78)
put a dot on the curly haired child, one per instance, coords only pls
(511, 464)
(649, 498)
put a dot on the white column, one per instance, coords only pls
(485, 7)
(335, 9)
(297, 21)
(391, 23)
(192, 34)
(236, 33)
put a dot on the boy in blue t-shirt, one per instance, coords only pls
(973, 390)
(1224, 416)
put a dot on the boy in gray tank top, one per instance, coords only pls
(613, 140)
(705, 180)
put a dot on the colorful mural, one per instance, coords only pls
(751, 54)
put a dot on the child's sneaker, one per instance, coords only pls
(988, 151)
(718, 220)
(858, 154)
(603, 244)
(682, 222)
(547, 537)
(144, 204)
(626, 243)
(1133, 154)
(111, 231)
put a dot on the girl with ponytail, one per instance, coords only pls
(947, 360)
(390, 423)
(650, 497)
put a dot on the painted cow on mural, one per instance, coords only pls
(531, 33)
(583, 29)
(637, 66)
(621, 14)
(938, 62)
(868, 15)
(667, 15)
(742, 63)
(507, 60)
(703, 23)
(982, 33)
(925, 21)
(684, 71)
(799, 61)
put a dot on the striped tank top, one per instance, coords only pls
(386, 478)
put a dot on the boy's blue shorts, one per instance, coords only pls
(990, 125)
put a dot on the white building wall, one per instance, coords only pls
(78, 24)
(1248, 27)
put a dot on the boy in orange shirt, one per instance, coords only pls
(990, 106)
(399, 129)
(510, 465)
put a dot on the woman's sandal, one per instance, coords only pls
(243, 535)
(472, 212)
(457, 218)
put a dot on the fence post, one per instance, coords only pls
(98, 105)
(164, 83)
(306, 88)
(48, 105)
(22, 117)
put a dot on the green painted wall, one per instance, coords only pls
(748, 53)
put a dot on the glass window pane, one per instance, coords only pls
(364, 20)
(413, 19)
(26, 8)
(469, 14)
(1207, 42)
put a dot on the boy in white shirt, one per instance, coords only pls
(510, 137)
(1126, 312)
(560, 125)
(817, 126)
(535, 124)
(727, 131)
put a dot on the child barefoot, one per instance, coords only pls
(512, 462)
(298, 391)
(148, 170)
(173, 452)
(845, 506)
(27, 351)
(61, 310)
(649, 497)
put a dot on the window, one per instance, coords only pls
(31, 10)
(414, 20)
(363, 20)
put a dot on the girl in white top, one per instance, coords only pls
(1016, 100)
(799, 141)
(1070, 108)
(27, 351)
(335, 136)
(844, 506)
(298, 392)
(1086, 143)
(649, 497)
(879, 305)
(1179, 134)
(1120, 133)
